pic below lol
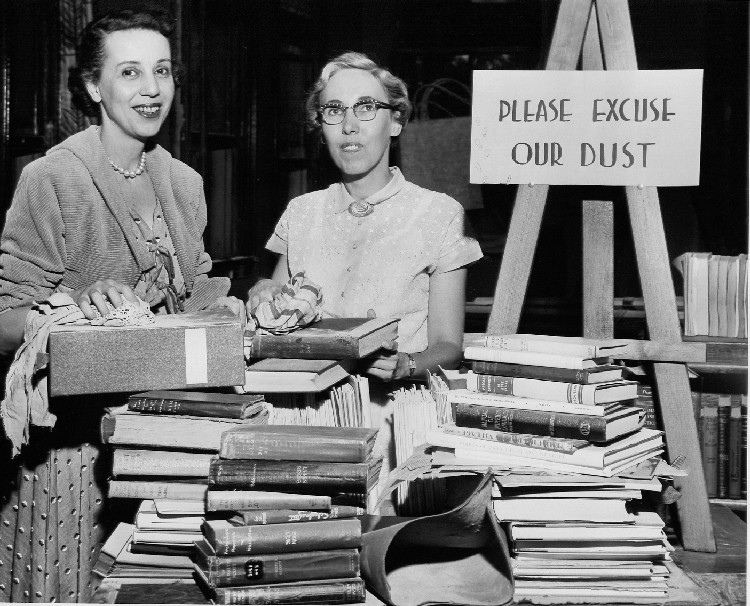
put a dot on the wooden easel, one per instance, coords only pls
(600, 33)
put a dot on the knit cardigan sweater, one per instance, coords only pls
(69, 224)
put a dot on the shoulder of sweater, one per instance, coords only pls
(57, 164)
(177, 167)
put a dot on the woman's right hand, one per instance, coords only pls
(93, 297)
(263, 290)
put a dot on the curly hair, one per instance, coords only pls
(90, 53)
(395, 88)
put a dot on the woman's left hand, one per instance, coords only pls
(236, 306)
(388, 364)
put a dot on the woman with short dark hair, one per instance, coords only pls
(107, 216)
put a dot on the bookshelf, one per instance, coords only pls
(733, 504)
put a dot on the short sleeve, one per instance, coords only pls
(457, 248)
(279, 240)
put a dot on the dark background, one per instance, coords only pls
(248, 63)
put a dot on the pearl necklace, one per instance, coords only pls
(131, 174)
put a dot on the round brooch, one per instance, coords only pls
(360, 208)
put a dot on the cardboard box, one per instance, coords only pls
(183, 351)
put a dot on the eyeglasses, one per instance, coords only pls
(333, 113)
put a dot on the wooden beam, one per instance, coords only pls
(672, 383)
(518, 255)
(567, 40)
(598, 269)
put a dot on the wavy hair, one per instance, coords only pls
(395, 88)
(90, 53)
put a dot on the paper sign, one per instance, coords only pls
(587, 127)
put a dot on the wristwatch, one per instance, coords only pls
(411, 365)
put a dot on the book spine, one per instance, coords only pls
(323, 347)
(546, 373)
(722, 480)
(559, 425)
(160, 463)
(571, 393)
(500, 401)
(645, 401)
(735, 451)
(350, 591)
(256, 445)
(156, 490)
(164, 406)
(490, 354)
(283, 538)
(743, 449)
(519, 343)
(521, 439)
(259, 474)
(169, 432)
(262, 517)
(710, 448)
(444, 440)
(280, 568)
(239, 500)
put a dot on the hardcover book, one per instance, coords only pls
(312, 477)
(563, 425)
(239, 500)
(333, 591)
(170, 431)
(574, 393)
(562, 510)
(262, 569)
(735, 450)
(722, 479)
(134, 489)
(327, 339)
(197, 404)
(134, 462)
(596, 374)
(290, 516)
(527, 440)
(553, 344)
(466, 396)
(292, 375)
(299, 443)
(644, 441)
(227, 539)
(532, 358)
(148, 518)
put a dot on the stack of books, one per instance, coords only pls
(163, 442)
(301, 375)
(293, 494)
(557, 418)
(715, 288)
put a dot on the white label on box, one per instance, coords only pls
(196, 356)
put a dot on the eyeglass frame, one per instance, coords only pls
(378, 105)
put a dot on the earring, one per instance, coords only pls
(322, 139)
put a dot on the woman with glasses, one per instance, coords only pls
(375, 241)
